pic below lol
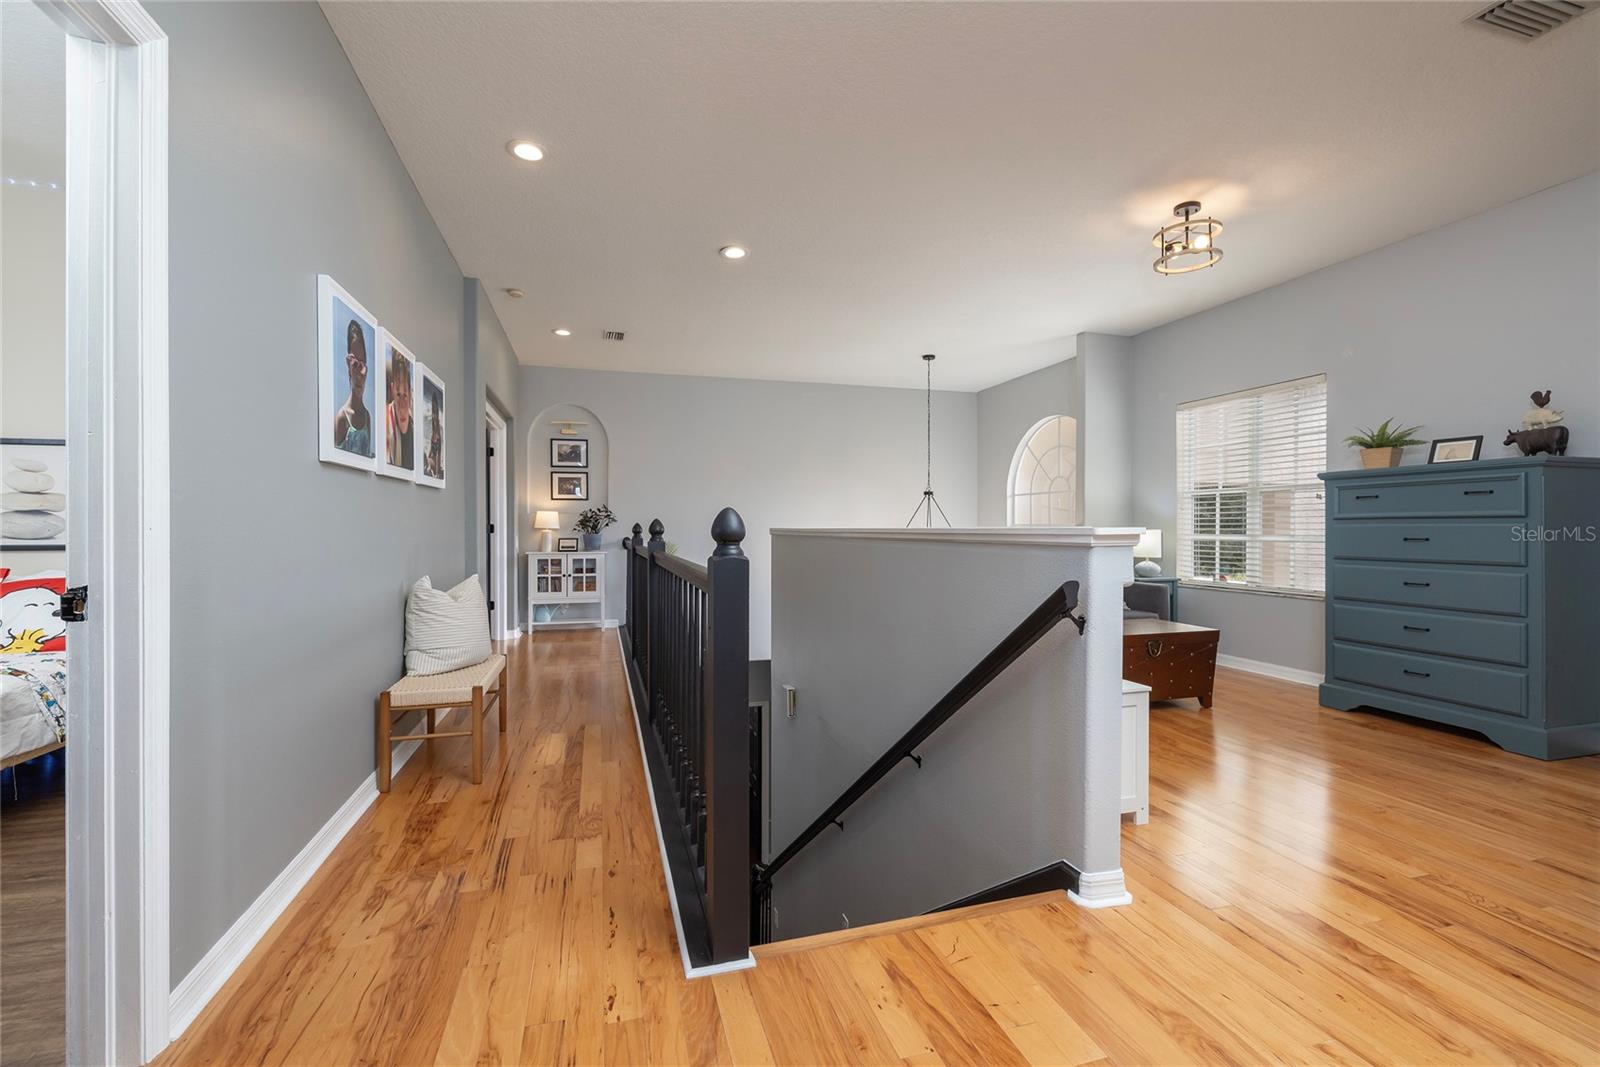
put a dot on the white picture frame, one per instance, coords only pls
(432, 414)
(337, 313)
(33, 493)
(387, 463)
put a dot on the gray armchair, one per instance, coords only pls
(1147, 600)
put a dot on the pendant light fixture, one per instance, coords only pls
(929, 502)
(1189, 245)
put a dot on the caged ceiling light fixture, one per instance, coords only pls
(1189, 245)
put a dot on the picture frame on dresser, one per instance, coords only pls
(1465, 595)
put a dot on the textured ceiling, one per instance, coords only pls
(976, 180)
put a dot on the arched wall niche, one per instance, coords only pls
(546, 427)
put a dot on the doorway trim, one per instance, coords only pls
(500, 561)
(118, 862)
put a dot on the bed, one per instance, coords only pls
(33, 667)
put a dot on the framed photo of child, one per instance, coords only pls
(348, 425)
(431, 432)
(397, 457)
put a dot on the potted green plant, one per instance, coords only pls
(590, 522)
(1381, 445)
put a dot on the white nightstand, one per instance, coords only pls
(1136, 750)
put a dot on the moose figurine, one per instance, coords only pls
(1551, 439)
(1541, 430)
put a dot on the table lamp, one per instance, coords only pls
(547, 523)
(1148, 552)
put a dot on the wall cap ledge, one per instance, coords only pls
(1061, 536)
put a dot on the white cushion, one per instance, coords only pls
(446, 629)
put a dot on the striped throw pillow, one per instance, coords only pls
(446, 629)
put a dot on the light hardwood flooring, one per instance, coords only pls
(33, 914)
(1313, 886)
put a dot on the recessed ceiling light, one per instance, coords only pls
(732, 252)
(515, 294)
(526, 151)
(562, 332)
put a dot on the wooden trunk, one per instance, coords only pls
(1174, 659)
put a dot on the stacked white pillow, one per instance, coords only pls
(446, 629)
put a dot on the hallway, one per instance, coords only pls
(1294, 899)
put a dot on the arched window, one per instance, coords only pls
(1043, 490)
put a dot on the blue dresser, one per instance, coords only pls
(1469, 594)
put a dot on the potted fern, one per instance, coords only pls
(590, 522)
(1381, 445)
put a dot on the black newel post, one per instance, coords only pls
(655, 613)
(727, 755)
(635, 616)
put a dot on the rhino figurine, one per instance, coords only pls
(1551, 439)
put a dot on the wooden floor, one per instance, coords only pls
(33, 914)
(1312, 886)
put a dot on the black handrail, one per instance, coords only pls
(1057, 606)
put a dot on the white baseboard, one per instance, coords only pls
(689, 970)
(1270, 670)
(1101, 889)
(218, 965)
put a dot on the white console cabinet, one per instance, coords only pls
(558, 580)
(1136, 751)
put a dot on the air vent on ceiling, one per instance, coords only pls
(1531, 18)
(614, 335)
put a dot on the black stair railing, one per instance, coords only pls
(1059, 605)
(687, 635)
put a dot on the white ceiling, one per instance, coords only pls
(33, 95)
(976, 180)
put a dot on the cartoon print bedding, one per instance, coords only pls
(33, 663)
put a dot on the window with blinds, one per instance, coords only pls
(1249, 502)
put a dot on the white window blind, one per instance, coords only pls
(1249, 502)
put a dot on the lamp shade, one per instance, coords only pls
(1149, 546)
(550, 520)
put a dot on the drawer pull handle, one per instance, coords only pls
(1477, 492)
(1418, 539)
(1416, 674)
(1418, 629)
(1417, 585)
(1153, 647)
(1366, 496)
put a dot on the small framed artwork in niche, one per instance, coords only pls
(566, 544)
(430, 401)
(347, 351)
(569, 452)
(1455, 449)
(569, 486)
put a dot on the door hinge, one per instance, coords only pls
(491, 527)
(491, 450)
(491, 605)
(75, 604)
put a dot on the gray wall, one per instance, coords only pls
(1008, 411)
(872, 633)
(1451, 329)
(1105, 429)
(289, 575)
(782, 453)
(492, 379)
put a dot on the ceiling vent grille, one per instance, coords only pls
(1531, 18)
(614, 335)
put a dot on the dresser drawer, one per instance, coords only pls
(1500, 640)
(1429, 542)
(1503, 690)
(1465, 497)
(1496, 591)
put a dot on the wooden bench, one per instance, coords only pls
(464, 688)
